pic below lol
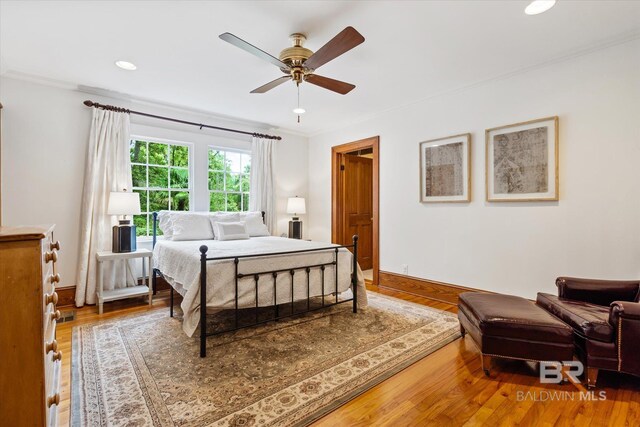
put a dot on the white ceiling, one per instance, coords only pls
(413, 50)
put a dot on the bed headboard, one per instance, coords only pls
(155, 226)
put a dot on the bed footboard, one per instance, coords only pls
(291, 272)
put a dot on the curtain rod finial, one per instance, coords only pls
(88, 103)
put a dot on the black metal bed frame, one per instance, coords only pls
(256, 277)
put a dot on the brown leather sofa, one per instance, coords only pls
(605, 317)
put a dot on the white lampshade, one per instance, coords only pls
(121, 203)
(295, 205)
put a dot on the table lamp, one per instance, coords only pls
(295, 206)
(124, 234)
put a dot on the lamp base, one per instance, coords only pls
(124, 238)
(295, 228)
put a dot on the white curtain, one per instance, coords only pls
(107, 169)
(261, 183)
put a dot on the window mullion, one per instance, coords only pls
(169, 175)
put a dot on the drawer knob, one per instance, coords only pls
(55, 278)
(51, 346)
(57, 355)
(52, 298)
(51, 256)
(55, 315)
(55, 245)
(53, 400)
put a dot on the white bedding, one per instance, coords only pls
(179, 262)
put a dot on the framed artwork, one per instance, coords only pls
(522, 161)
(445, 169)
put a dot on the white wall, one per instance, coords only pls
(518, 248)
(45, 130)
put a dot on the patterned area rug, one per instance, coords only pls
(144, 371)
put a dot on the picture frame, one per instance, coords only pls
(445, 169)
(522, 162)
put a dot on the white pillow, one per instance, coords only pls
(255, 225)
(191, 226)
(164, 224)
(222, 217)
(231, 230)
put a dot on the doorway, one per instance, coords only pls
(355, 200)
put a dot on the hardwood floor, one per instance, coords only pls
(446, 388)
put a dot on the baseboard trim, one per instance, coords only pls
(162, 284)
(439, 291)
(66, 296)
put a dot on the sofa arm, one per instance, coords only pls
(601, 292)
(625, 316)
(624, 309)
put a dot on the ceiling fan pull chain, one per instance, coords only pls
(298, 109)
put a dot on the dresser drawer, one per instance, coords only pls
(53, 395)
(51, 315)
(48, 278)
(51, 355)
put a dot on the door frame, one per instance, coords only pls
(337, 153)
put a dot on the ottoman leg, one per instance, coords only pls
(592, 377)
(462, 331)
(486, 364)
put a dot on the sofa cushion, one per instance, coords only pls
(513, 317)
(588, 320)
(601, 292)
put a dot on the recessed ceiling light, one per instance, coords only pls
(299, 110)
(126, 65)
(539, 6)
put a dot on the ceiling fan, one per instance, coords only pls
(299, 63)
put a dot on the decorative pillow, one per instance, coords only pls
(255, 224)
(231, 230)
(222, 217)
(191, 226)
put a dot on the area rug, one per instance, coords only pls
(144, 371)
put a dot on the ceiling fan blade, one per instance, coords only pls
(335, 85)
(238, 42)
(271, 85)
(346, 40)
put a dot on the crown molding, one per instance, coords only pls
(602, 45)
(134, 102)
(33, 78)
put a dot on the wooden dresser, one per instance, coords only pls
(30, 362)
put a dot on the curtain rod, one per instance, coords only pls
(184, 122)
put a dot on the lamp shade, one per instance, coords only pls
(295, 205)
(121, 203)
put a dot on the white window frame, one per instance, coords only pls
(190, 168)
(225, 192)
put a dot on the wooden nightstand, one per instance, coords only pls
(128, 292)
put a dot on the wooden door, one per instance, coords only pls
(357, 181)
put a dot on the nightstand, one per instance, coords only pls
(131, 291)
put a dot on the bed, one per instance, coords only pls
(272, 277)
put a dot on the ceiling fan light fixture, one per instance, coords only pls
(126, 65)
(537, 7)
(299, 110)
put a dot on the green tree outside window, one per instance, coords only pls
(160, 174)
(229, 173)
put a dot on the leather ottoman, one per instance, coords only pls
(514, 328)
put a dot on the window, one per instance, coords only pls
(229, 180)
(161, 174)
